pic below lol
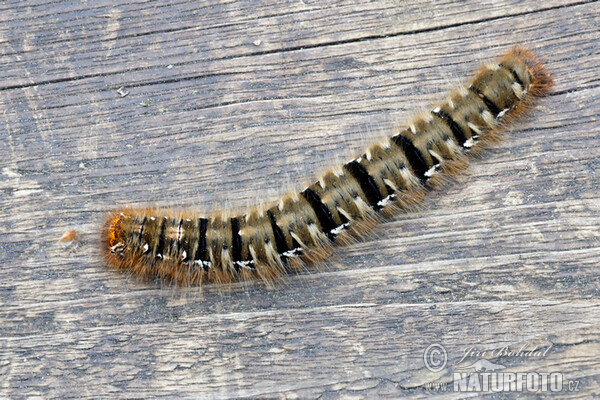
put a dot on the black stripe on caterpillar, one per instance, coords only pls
(344, 203)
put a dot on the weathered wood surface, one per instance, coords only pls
(508, 256)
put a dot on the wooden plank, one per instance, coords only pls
(300, 351)
(507, 256)
(130, 35)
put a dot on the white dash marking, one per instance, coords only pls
(384, 202)
(470, 142)
(429, 173)
(502, 113)
(339, 229)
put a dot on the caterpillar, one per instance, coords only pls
(392, 176)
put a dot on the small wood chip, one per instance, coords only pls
(122, 91)
(70, 239)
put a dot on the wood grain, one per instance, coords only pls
(245, 99)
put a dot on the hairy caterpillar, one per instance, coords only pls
(345, 202)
